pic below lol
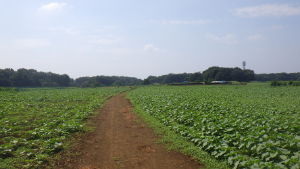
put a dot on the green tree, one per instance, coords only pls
(4, 78)
(97, 84)
(274, 82)
(118, 83)
(146, 82)
(187, 79)
(85, 84)
(196, 77)
(208, 81)
(54, 84)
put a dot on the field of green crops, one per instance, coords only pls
(249, 126)
(34, 124)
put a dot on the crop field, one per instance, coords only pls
(34, 124)
(249, 126)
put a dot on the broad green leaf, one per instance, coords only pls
(284, 151)
(230, 160)
(236, 164)
(283, 157)
(259, 147)
(265, 136)
(273, 154)
(214, 153)
(296, 166)
(230, 129)
(264, 155)
(253, 148)
(242, 145)
(249, 144)
(280, 166)
(209, 146)
(220, 153)
(255, 166)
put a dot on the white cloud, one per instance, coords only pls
(116, 59)
(52, 7)
(268, 10)
(255, 37)
(276, 27)
(69, 31)
(1, 46)
(228, 39)
(105, 28)
(30, 43)
(119, 51)
(189, 22)
(153, 20)
(151, 47)
(107, 41)
(85, 49)
(109, 27)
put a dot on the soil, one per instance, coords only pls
(121, 140)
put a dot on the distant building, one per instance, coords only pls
(220, 82)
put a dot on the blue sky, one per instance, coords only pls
(141, 38)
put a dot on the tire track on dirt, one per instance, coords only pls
(120, 141)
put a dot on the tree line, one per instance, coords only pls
(32, 78)
(96, 81)
(211, 74)
(228, 74)
(278, 76)
(169, 78)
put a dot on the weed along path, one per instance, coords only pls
(121, 141)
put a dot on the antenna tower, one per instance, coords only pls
(244, 65)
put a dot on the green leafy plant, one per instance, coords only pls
(34, 124)
(249, 126)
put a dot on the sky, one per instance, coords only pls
(137, 38)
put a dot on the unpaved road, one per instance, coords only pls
(120, 141)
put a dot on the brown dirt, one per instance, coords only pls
(121, 141)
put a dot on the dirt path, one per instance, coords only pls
(119, 141)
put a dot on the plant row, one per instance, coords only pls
(250, 126)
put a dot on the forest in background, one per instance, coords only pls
(32, 78)
(278, 76)
(211, 74)
(97, 81)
